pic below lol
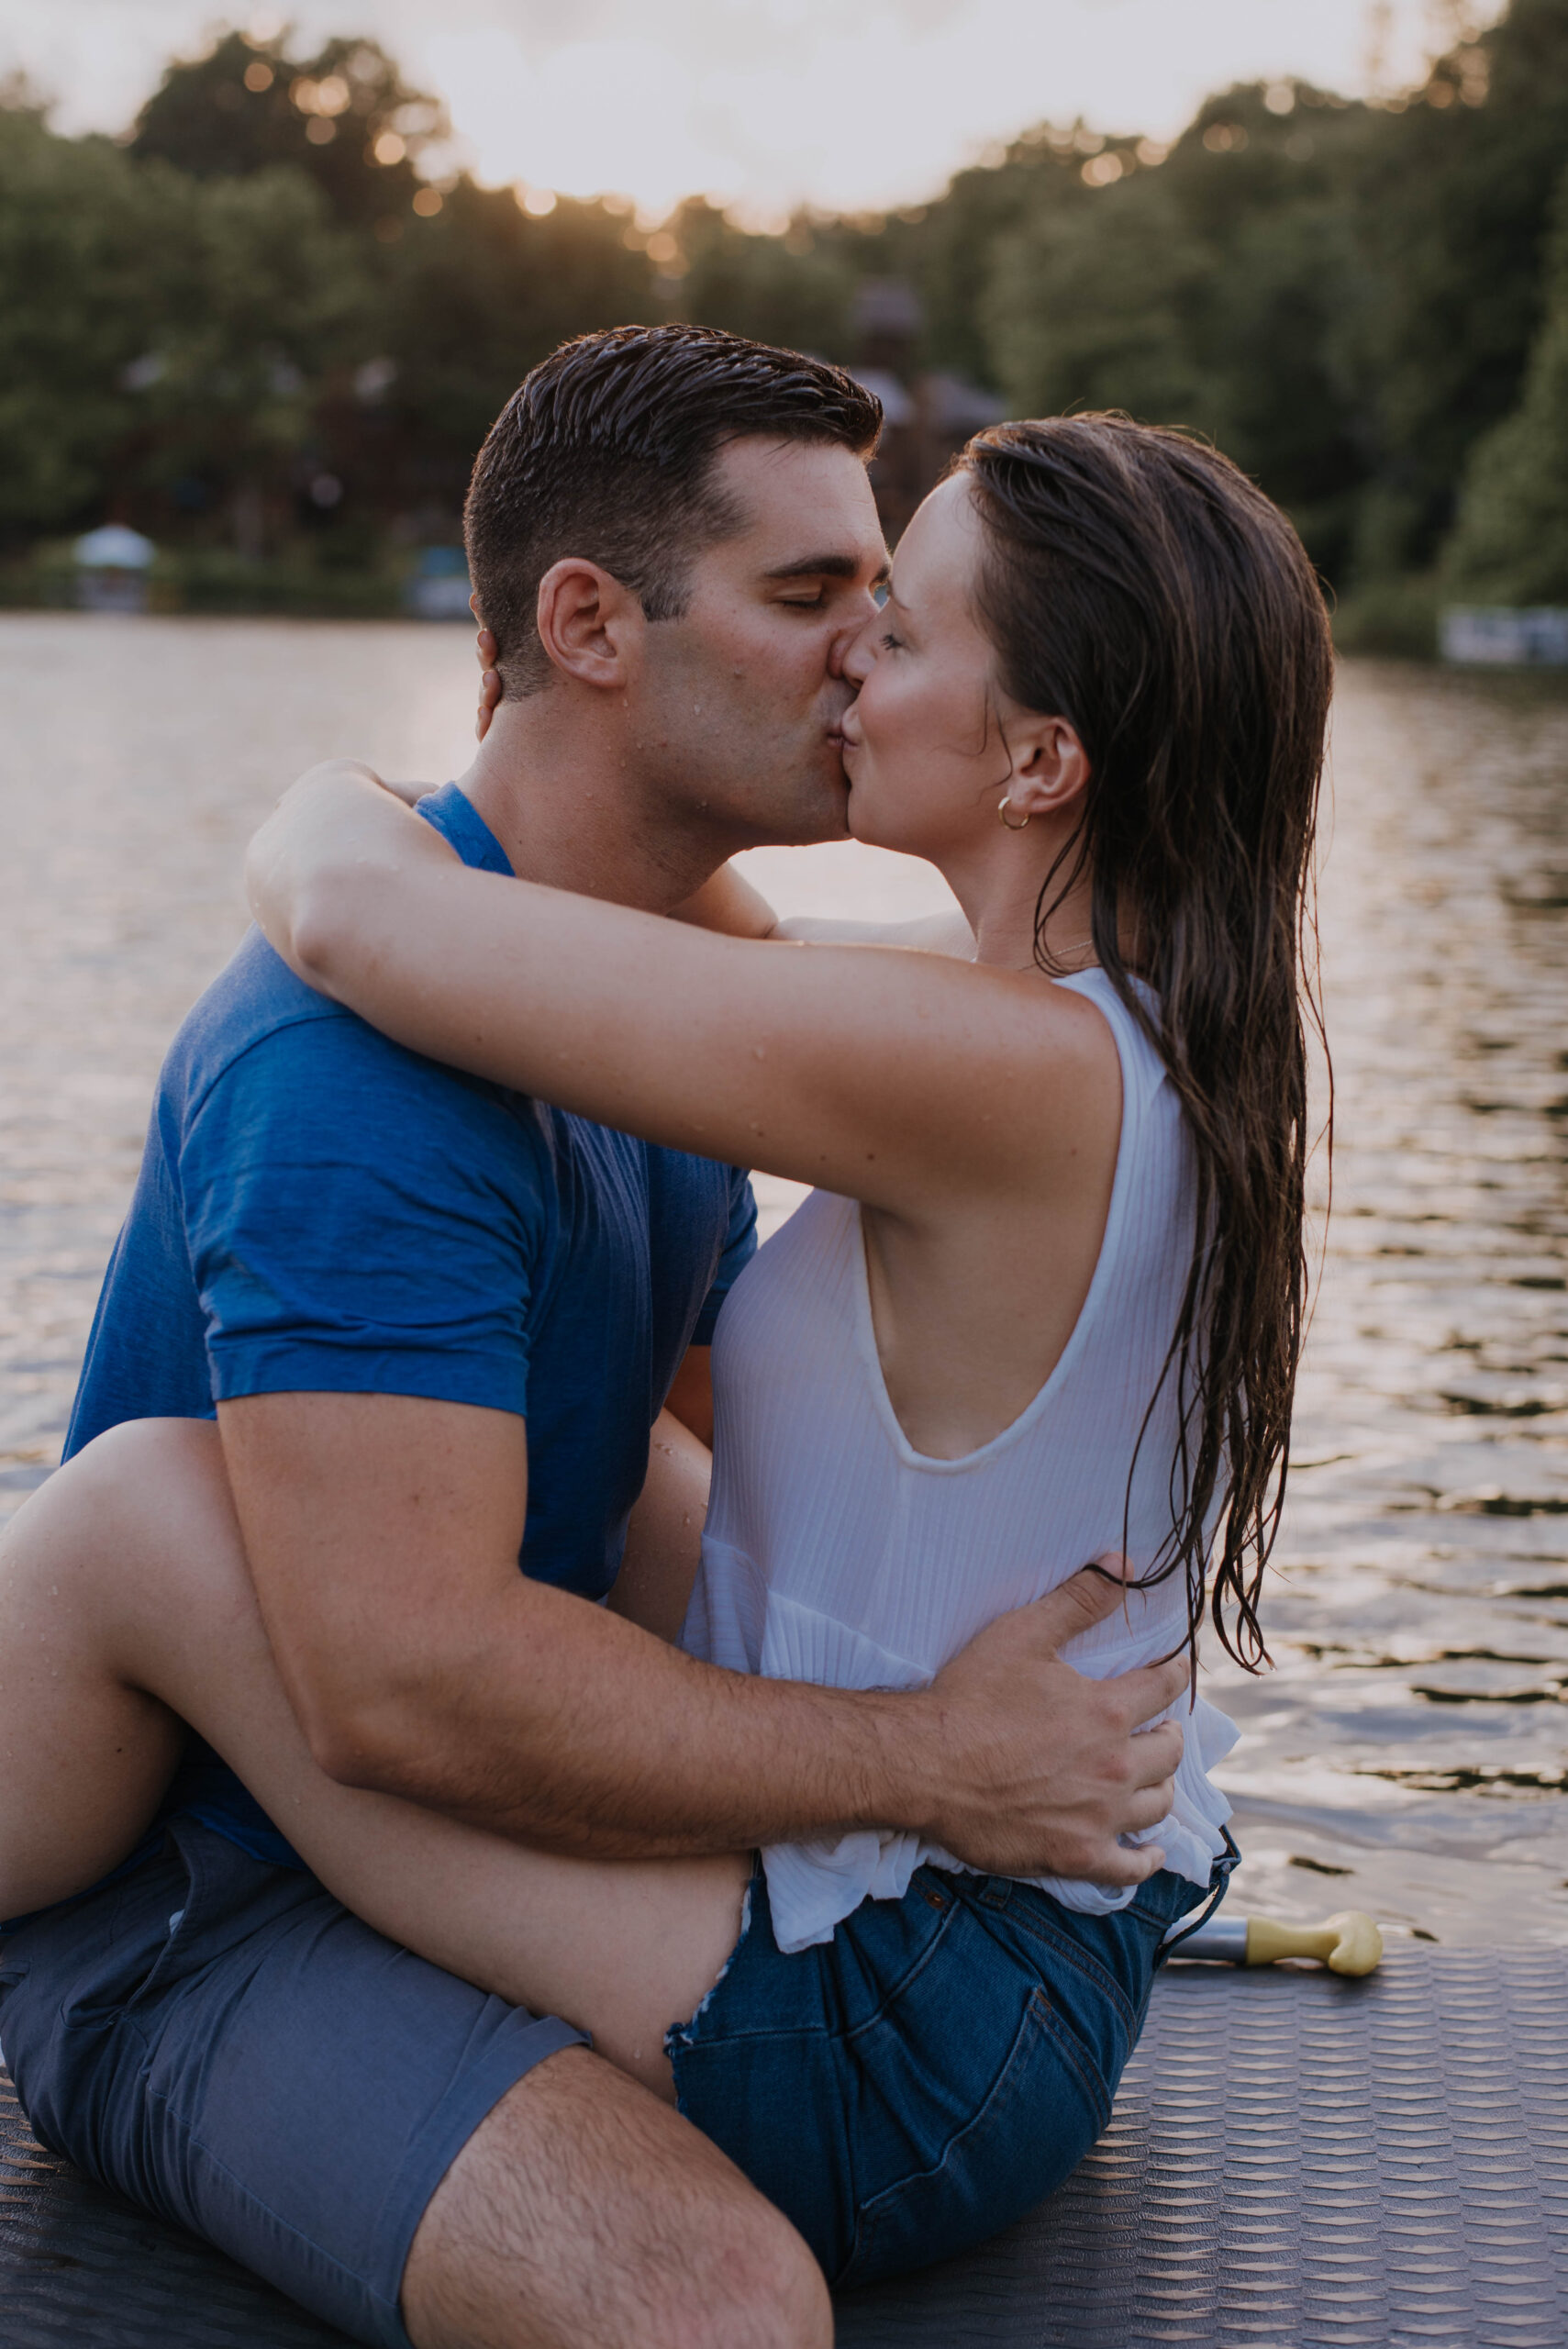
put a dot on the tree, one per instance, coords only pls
(475, 296)
(83, 233)
(263, 291)
(346, 116)
(794, 289)
(1208, 289)
(1450, 202)
(265, 299)
(1510, 544)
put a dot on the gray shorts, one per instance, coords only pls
(265, 2071)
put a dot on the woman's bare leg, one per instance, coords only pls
(126, 1609)
(84, 1756)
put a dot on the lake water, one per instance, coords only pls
(1408, 1752)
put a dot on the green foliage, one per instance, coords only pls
(1211, 291)
(82, 233)
(325, 116)
(1510, 545)
(951, 253)
(475, 296)
(241, 305)
(261, 297)
(1452, 202)
(197, 325)
(794, 289)
(1395, 617)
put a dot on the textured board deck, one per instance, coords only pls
(1293, 2162)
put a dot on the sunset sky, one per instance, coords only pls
(764, 104)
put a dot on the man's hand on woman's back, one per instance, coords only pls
(1045, 1769)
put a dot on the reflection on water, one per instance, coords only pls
(1407, 1754)
(1413, 1734)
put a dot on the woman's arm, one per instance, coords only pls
(731, 904)
(898, 1078)
(728, 904)
(663, 1541)
(930, 934)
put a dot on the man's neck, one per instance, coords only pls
(567, 807)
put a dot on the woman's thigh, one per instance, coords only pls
(86, 1755)
(127, 1610)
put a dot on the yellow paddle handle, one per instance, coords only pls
(1348, 1943)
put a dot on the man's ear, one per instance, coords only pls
(590, 625)
(1050, 766)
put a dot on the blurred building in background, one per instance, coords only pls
(928, 412)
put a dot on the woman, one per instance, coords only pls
(1056, 1253)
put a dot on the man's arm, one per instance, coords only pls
(383, 1533)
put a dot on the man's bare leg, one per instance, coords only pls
(586, 2215)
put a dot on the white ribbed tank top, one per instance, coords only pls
(836, 1554)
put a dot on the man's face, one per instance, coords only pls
(737, 705)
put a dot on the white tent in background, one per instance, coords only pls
(114, 548)
(112, 564)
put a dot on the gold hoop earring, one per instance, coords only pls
(1001, 815)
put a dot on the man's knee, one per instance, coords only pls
(584, 2211)
(754, 2283)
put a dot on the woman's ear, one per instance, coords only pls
(1050, 766)
(590, 625)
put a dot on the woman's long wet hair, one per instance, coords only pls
(1138, 584)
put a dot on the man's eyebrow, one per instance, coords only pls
(827, 566)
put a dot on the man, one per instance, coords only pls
(410, 1298)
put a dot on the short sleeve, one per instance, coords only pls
(362, 1221)
(739, 1247)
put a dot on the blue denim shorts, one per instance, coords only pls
(927, 2075)
(221, 2041)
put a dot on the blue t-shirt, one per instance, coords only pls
(321, 1211)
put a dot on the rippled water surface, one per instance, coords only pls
(1407, 1754)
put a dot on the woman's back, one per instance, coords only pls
(838, 1553)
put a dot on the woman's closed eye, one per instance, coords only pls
(891, 643)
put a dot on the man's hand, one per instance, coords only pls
(383, 1533)
(1045, 1769)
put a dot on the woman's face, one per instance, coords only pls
(923, 749)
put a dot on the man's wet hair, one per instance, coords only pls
(608, 450)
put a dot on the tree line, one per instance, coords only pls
(257, 328)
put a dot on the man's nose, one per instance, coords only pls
(857, 651)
